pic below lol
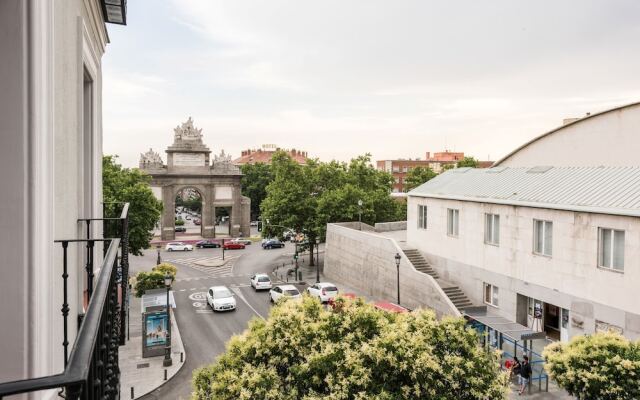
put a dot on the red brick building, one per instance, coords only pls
(264, 154)
(399, 168)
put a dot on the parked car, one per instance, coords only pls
(244, 241)
(261, 281)
(220, 298)
(272, 244)
(253, 223)
(233, 245)
(196, 222)
(323, 291)
(178, 246)
(209, 244)
(281, 291)
(180, 229)
(188, 217)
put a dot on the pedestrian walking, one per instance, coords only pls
(525, 374)
(516, 366)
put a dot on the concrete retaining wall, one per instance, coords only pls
(365, 261)
(391, 226)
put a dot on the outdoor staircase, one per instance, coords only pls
(454, 293)
(420, 263)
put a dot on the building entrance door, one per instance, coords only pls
(564, 325)
(552, 321)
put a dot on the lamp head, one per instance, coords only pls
(168, 278)
(398, 258)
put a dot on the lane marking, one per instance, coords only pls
(182, 290)
(239, 294)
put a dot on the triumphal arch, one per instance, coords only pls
(189, 166)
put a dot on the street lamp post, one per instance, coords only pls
(398, 258)
(167, 349)
(317, 261)
(223, 249)
(360, 214)
(158, 261)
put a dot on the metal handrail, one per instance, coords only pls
(76, 371)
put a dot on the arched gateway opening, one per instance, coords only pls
(188, 211)
(189, 175)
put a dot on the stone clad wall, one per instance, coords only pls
(365, 261)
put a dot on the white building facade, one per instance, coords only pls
(555, 249)
(51, 166)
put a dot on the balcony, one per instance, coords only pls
(91, 368)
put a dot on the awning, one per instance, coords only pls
(512, 329)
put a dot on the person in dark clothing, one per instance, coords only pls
(515, 369)
(525, 374)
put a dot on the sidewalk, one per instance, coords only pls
(146, 374)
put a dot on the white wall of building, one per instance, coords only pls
(581, 143)
(51, 149)
(569, 278)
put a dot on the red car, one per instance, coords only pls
(233, 245)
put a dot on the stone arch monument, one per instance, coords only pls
(189, 167)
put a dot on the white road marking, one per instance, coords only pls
(239, 294)
(192, 288)
(182, 290)
(205, 311)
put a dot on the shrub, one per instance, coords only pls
(304, 351)
(179, 222)
(601, 366)
(165, 268)
(147, 281)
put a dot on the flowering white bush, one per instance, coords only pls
(356, 351)
(602, 366)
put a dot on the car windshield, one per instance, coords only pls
(263, 279)
(222, 293)
(291, 292)
(331, 288)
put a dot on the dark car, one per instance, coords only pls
(272, 244)
(180, 229)
(209, 244)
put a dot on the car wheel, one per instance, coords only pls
(170, 250)
(271, 298)
(185, 249)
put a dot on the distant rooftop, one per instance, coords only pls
(607, 190)
(264, 154)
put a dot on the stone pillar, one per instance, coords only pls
(168, 213)
(208, 224)
(245, 222)
(236, 213)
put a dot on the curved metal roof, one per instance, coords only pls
(585, 118)
(604, 190)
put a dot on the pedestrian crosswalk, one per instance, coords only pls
(215, 272)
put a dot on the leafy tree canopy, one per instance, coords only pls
(417, 177)
(603, 366)
(132, 186)
(254, 185)
(355, 351)
(306, 198)
(468, 162)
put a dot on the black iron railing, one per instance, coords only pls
(91, 369)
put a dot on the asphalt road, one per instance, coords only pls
(205, 333)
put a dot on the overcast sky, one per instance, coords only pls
(337, 78)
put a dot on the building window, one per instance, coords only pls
(405, 169)
(611, 249)
(542, 237)
(452, 222)
(491, 294)
(422, 217)
(396, 179)
(396, 168)
(492, 229)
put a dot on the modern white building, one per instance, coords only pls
(610, 138)
(554, 248)
(50, 170)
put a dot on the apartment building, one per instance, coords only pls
(553, 248)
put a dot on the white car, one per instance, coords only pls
(324, 291)
(220, 298)
(178, 246)
(244, 241)
(261, 281)
(288, 291)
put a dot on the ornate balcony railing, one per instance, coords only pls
(91, 369)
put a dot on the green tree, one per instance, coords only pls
(306, 198)
(132, 186)
(354, 351)
(417, 177)
(468, 162)
(604, 366)
(256, 177)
